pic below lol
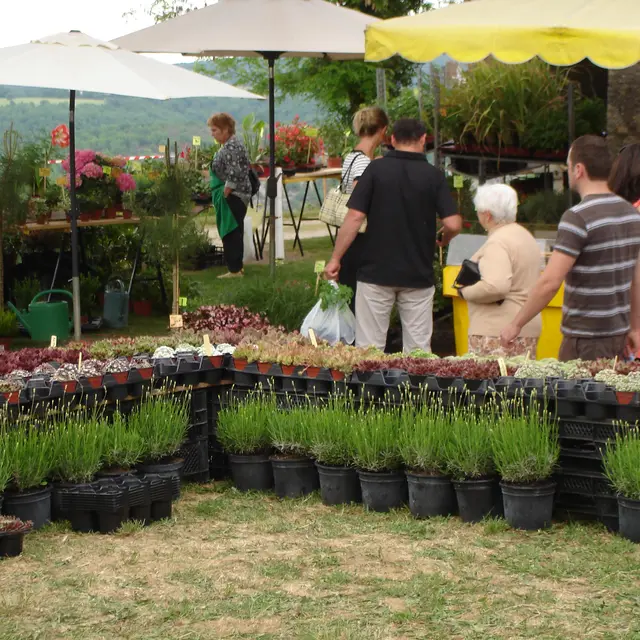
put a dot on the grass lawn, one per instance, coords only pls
(250, 566)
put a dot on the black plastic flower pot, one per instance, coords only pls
(29, 505)
(528, 506)
(629, 518)
(476, 498)
(294, 477)
(61, 499)
(83, 521)
(141, 514)
(431, 496)
(110, 522)
(339, 485)
(161, 510)
(169, 469)
(11, 544)
(251, 473)
(384, 490)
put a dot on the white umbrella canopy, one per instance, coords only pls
(76, 62)
(268, 29)
(252, 28)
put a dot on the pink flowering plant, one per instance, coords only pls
(297, 143)
(100, 180)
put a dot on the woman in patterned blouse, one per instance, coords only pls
(231, 190)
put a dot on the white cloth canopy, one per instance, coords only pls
(76, 61)
(250, 28)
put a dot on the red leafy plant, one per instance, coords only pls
(10, 525)
(233, 321)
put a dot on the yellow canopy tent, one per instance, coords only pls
(561, 32)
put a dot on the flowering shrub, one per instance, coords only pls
(233, 321)
(296, 143)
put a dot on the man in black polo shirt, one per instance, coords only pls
(400, 196)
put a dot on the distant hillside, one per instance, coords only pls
(129, 126)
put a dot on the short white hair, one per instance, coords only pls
(500, 200)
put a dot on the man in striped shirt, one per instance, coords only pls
(595, 254)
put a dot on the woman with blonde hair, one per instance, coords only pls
(370, 125)
(509, 263)
(230, 190)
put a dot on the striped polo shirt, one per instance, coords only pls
(603, 234)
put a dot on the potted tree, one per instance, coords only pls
(332, 447)
(377, 458)
(243, 432)
(622, 467)
(470, 460)
(525, 451)
(162, 422)
(28, 496)
(294, 472)
(252, 137)
(334, 136)
(425, 437)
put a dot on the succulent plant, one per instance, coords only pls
(9, 525)
(66, 372)
(163, 352)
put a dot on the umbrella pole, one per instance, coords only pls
(75, 276)
(272, 181)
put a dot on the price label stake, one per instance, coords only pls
(44, 172)
(175, 321)
(61, 181)
(312, 337)
(503, 367)
(458, 182)
(54, 342)
(196, 141)
(162, 148)
(207, 345)
(182, 302)
(106, 171)
(80, 361)
(319, 266)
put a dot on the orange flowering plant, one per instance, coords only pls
(296, 143)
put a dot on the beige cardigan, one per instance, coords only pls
(509, 264)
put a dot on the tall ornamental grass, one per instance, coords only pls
(622, 464)
(331, 432)
(243, 427)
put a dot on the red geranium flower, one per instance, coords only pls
(60, 136)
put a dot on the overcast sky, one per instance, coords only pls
(25, 20)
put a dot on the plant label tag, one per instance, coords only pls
(458, 182)
(62, 181)
(312, 337)
(54, 342)
(319, 266)
(207, 345)
(106, 171)
(503, 367)
(1, 347)
(175, 321)
(162, 148)
(182, 302)
(136, 165)
(196, 141)
(80, 361)
(44, 172)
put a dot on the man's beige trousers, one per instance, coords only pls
(373, 311)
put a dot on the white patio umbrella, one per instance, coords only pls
(76, 62)
(260, 28)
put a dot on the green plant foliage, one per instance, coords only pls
(25, 290)
(162, 422)
(8, 323)
(544, 207)
(76, 445)
(30, 456)
(332, 432)
(289, 430)
(622, 463)
(525, 441)
(334, 296)
(375, 437)
(243, 427)
(5, 459)
(121, 444)
(425, 436)
(470, 454)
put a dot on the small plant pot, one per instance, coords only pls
(383, 491)
(339, 485)
(251, 473)
(528, 507)
(629, 518)
(476, 498)
(111, 213)
(625, 397)
(240, 364)
(12, 397)
(142, 308)
(337, 376)
(287, 369)
(69, 386)
(11, 544)
(165, 469)
(431, 496)
(216, 361)
(334, 162)
(264, 367)
(29, 505)
(312, 372)
(294, 477)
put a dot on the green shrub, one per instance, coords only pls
(622, 464)
(332, 432)
(470, 453)
(8, 323)
(121, 445)
(243, 427)
(31, 454)
(375, 437)
(289, 431)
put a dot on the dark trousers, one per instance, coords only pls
(350, 263)
(592, 348)
(233, 243)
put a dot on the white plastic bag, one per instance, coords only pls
(333, 325)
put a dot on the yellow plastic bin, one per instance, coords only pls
(550, 338)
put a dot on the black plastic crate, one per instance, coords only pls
(585, 515)
(582, 482)
(587, 431)
(601, 506)
(196, 458)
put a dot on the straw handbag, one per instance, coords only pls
(334, 208)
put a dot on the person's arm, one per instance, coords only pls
(496, 273)
(451, 227)
(346, 235)
(633, 340)
(236, 167)
(448, 213)
(541, 295)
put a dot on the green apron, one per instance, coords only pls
(225, 220)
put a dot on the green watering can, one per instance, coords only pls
(46, 319)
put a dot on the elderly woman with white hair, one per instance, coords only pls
(509, 264)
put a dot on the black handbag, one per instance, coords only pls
(469, 274)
